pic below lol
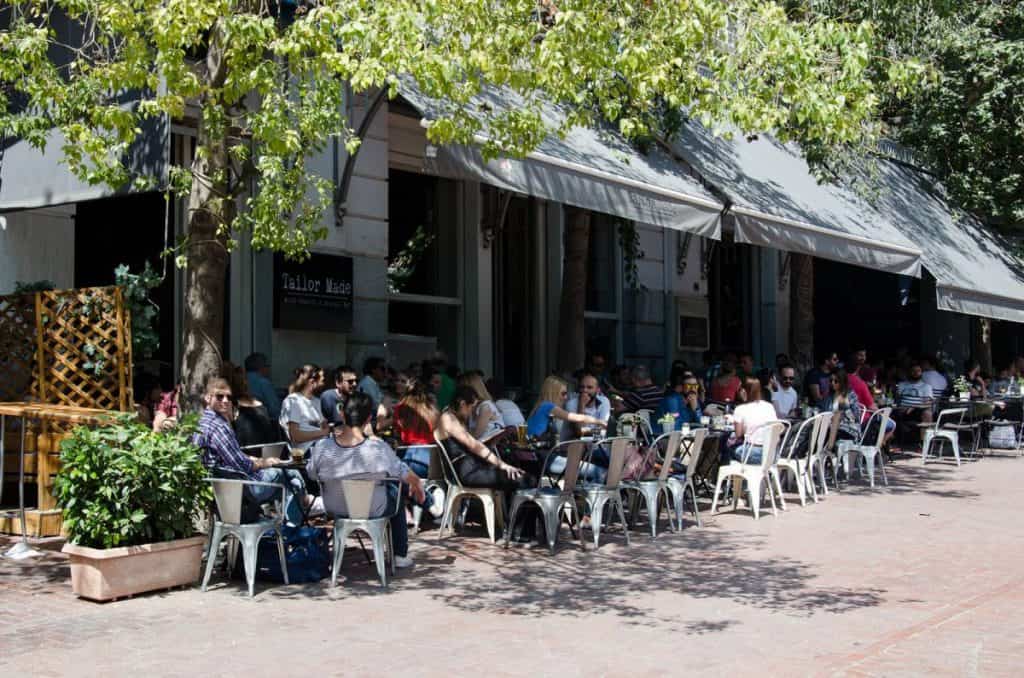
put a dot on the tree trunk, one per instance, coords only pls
(801, 310)
(982, 349)
(571, 346)
(210, 209)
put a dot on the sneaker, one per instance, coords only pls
(437, 508)
(402, 562)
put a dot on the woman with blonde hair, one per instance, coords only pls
(302, 418)
(551, 405)
(486, 421)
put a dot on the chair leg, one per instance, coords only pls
(379, 558)
(622, 517)
(773, 475)
(596, 518)
(249, 554)
(693, 496)
(881, 466)
(754, 488)
(513, 512)
(216, 535)
(718, 489)
(233, 543)
(552, 522)
(340, 537)
(281, 555)
(488, 502)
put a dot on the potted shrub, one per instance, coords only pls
(130, 498)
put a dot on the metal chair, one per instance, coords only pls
(597, 496)
(945, 429)
(826, 451)
(231, 520)
(492, 498)
(868, 450)
(434, 480)
(652, 489)
(755, 475)
(800, 466)
(349, 501)
(552, 498)
(268, 450)
(678, 483)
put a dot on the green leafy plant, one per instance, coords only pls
(31, 287)
(136, 288)
(401, 268)
(629, 241)
(122, 484)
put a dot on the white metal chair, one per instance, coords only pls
(800, 467)
(868, 450)
(651, 490)
(349, 501)
(755, 475)
(945, 429)
(826, 453)
(230, 521)
(679, 483)
(492, 499)
(598, 496)
(551, 499)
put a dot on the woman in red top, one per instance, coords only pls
(414, 419)
(725, 388)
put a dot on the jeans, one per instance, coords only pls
(418, 460)
(399, 530)
(285, 477)
(595, 471)
(753, 458)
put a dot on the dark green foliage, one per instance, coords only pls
(123, 484)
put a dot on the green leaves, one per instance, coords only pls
(124, 485)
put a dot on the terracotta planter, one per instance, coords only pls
(108, 574)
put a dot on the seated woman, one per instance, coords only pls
(749, 421)
(302, 418)
(476, 465)
(253, 424)
(414, 420)
(682, 400)
(550, 406)
(843, 402)
(979, 388)
(486, 421)
(349, 452)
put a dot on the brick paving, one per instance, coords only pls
(918, 578)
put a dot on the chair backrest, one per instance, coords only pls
(945, 416)
(696, 450)
(824, 428)
(808, 427)
(617, 459)
(573, 450)
(673, 441)
(773, 433)
(354, 496)
(447, 467)
(882, 417)
(268, 450)
(228, 495)
(833, 430)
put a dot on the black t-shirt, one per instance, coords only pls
(255, 427)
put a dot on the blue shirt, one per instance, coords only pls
(220, 446)
(674, 403)
(261, 389)
(537, 424)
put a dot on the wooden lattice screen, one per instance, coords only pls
(67, 347)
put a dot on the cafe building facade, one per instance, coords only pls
(707, 243)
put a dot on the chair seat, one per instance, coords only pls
(541, 492)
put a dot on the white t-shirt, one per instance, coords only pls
(754, 416)
(497, 423)
(510, 412)
(303, 411)
(785, 400)
(935, 379)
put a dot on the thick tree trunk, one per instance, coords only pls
(206, 253)
(801, 314)
(571, 340)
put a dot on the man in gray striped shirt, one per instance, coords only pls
(350, 453)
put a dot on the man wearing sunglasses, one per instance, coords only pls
(785, 397)
(333, 400)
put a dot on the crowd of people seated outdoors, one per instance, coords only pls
(345, 422)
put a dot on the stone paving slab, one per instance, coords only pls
(918, 578)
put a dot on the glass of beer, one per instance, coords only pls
(521, 434)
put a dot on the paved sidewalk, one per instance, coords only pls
(922, 577)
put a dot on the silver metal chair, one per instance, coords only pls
(597, 496)
(551, 499)
(948, 426)
(756, 475)
(493, 499)
(868, 450)
(652, 489)
(229, 496)
(349, 501)
(678, 483)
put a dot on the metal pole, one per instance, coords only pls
(22, 549)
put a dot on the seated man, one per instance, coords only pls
(349, 452)
(784, 397)
(683, 400)
(645, 394)
(221, 449)
(588, 401)
(914, 401)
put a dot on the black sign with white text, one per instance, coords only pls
(315, 294)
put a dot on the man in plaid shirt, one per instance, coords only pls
(220, 447)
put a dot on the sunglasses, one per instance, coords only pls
(564, 394)
(221, 397)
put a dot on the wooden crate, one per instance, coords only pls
(40, 523)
